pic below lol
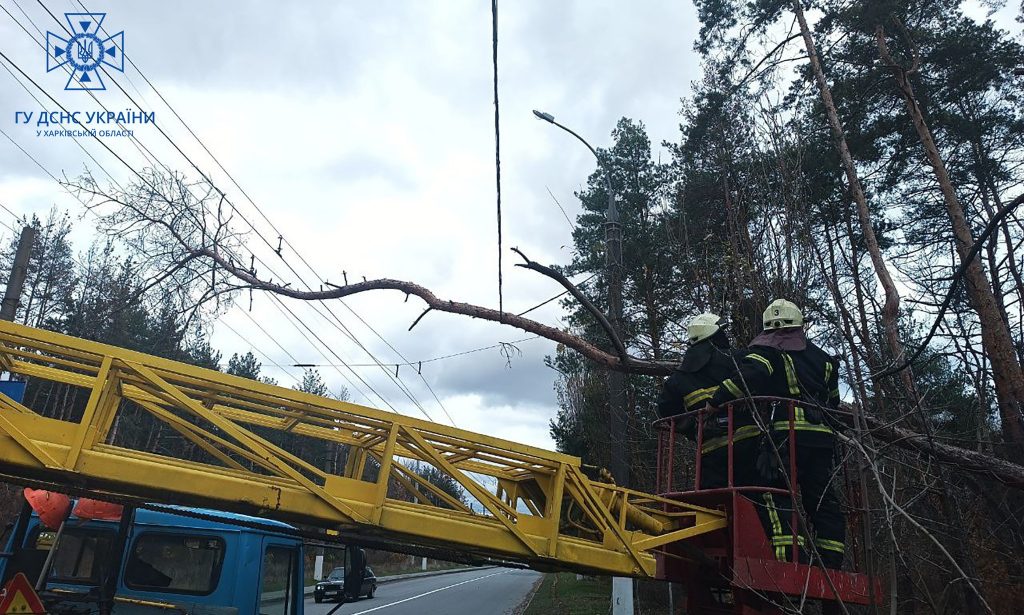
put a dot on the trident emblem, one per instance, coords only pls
(85, 51)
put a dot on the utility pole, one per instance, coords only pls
(618, 421)
(18, 272)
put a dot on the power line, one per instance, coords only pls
(263, 354)
(348, 333)
(125, 163)
(260, 351)
(150, 157)
(51, 175)
(338, 324)
(393, 377)
(561, 294)
(63, 108)
(138, 144)
(30, 156)
(76, 139)
(572, 226)
(5, 208)
(343, 328)
(331, 350)
(497, 140)
(431, 360)
(16, 217)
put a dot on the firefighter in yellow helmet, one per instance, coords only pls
(782, 362)
(709, 360)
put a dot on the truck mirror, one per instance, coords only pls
(355, 570)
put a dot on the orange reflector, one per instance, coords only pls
(98, 510)
(53, 508)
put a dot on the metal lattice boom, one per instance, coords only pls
(538, 506)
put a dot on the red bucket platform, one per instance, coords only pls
(735, 570)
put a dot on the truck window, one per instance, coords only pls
(277, 583)
(175, 563)
(81, 555)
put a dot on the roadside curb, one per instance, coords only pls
(308, 590)
(528, 599)
(429, 573)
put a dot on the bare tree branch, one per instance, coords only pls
(181, 242)
(556, 275)
(605, 359)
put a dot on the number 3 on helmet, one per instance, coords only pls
(781, 314)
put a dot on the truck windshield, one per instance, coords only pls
(175, 563)
(81, 554)
(278, 586)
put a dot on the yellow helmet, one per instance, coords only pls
(702, 327)
(781, 314)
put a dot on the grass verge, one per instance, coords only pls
(561, 593)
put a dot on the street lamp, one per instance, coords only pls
(612, 214)
(622, 588)
(613, 266)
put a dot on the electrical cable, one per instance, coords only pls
(263, 354)
(135, 141)
(431, 360)
(348, 333)
(150, 157)
(971, 255)
(295, 321)
(394, 377)
(76, 139)
(497, 141)
(16, 217)
(43, 168)
(401, 385)
(125, 163)
(5, 208)
(139, 145)
(259, 350)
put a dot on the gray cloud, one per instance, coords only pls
(365, 131)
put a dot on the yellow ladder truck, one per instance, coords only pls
(537, 507)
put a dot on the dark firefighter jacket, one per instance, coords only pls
(785, 364)
(703, 368)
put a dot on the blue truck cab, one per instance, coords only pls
(216, 564)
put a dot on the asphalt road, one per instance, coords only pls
(492, 591)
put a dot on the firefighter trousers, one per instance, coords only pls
(714, 469)
(816, 478)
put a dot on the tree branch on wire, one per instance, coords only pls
(178, 236)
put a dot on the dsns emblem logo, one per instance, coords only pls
(85, 51)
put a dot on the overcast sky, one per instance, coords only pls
(364, 130)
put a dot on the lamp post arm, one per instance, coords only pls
(613, 213)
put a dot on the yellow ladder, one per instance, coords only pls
(538, 507)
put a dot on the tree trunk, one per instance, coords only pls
(990, 195)
(995, 335)
(890, 310)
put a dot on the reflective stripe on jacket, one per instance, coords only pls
(809, 375)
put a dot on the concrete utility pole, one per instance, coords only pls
(18, 272)
(622, 587)
(619, 424)
(613, 270)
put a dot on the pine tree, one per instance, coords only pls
(246, 366)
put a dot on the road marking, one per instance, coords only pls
(433, 591)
